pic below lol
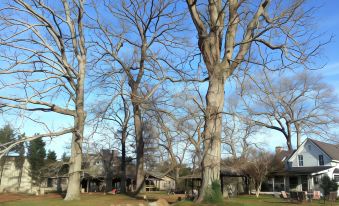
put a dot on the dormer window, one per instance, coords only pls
(301, 160)
(321, 160)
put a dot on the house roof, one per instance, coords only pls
(307, 170)
(191, 176)
(157, 174)
(229, 171)
(330, 149)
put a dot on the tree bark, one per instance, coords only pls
(123, 162)
(258, 189)
(177, 175)
(20, 177)
(288, 137)
(297, 127)
(140, 173)
(108, 180)
(73, 189)
(212, 133)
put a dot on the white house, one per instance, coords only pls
(305, 167)
(158, 181)
(10, 177)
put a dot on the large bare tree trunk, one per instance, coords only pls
(123, 162)
(140, 174)
(297, 127)
(73, 189)
(212, 133)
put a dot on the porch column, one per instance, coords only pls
(87, 185)
(273, 184)
(310, 183)
(222, 184)
(299, 187)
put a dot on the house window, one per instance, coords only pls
(49, 182)
(321, 160)
(336, 178)
(316, 179)
(301, 160)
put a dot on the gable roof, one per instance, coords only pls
(158, 174)
(330, 149)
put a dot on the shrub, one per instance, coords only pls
(213, 194)
(328, 185)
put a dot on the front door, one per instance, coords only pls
(293, 182)
(304, 183)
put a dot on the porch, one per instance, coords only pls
(296, 179)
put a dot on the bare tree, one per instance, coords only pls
(294, 105)
(258, 167)
(237, 137)
(139, 48)
(171, 139)
(44, 63)
(238, 134)
(111, 112)
(238, 33)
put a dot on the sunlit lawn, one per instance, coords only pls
(263, 200)
(108, 200)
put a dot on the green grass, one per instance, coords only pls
(108, 200)
(263, 200)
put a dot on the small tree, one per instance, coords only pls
(20, 160)
(64, 157)
(36, 155)
(6, 135)
(51, 157)
(214, 194)
(328, 185)
(258, 168)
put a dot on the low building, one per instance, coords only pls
(93, 176)
(14, 179)
(159, 182)
(305, 167)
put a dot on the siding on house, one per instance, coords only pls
(310, 153)
(167, 183)
(10, 178)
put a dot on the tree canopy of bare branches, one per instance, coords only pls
(43, 69)
(299, 104)
(138, 48)
(237, 34)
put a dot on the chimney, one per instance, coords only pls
(278, 149)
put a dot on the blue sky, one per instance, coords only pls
(327, 22)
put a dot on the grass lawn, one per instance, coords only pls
(108, 200)
(263, 200)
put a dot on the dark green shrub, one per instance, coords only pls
(328, 185)
(213, 194)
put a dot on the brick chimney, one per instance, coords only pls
(278, 149)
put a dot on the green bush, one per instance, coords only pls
(328, 185)
(213, 194)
